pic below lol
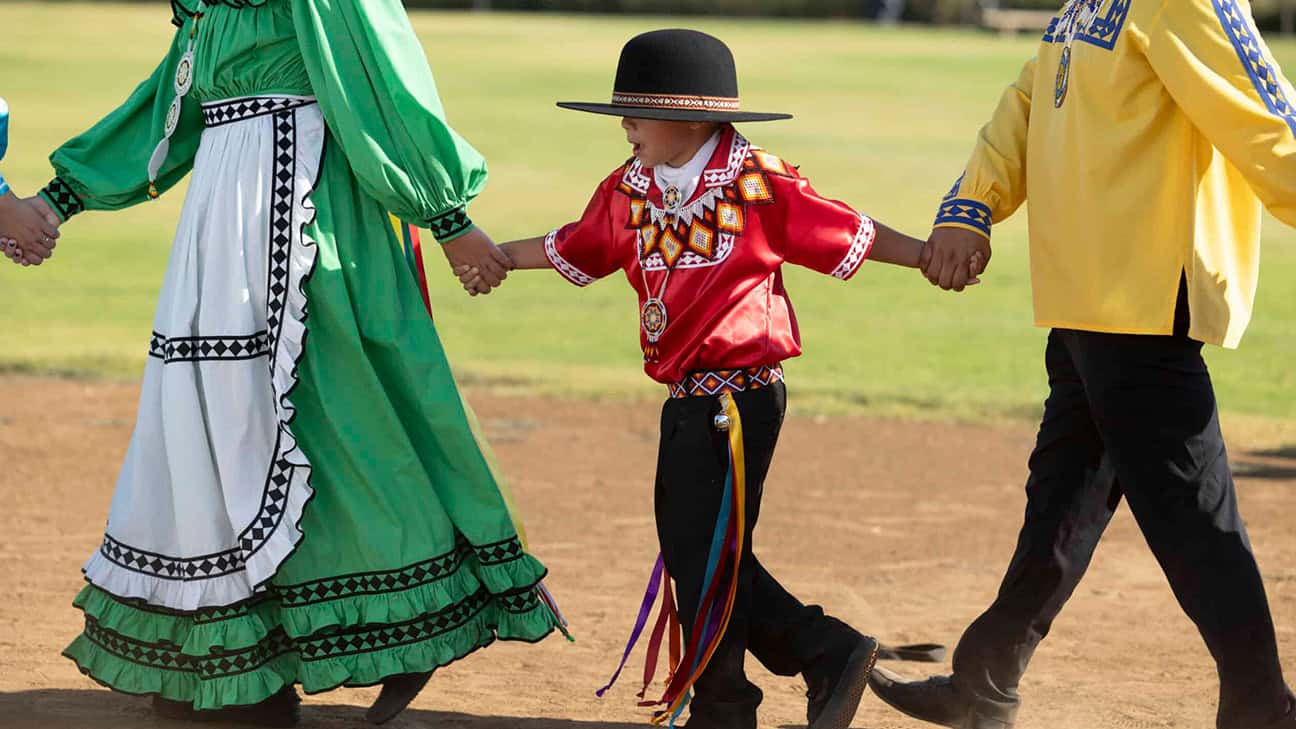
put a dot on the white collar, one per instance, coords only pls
(687, 177)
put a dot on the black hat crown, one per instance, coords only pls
(678, 75)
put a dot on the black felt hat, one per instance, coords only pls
(675, 75)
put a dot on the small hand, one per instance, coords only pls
(471, 279)
(29, 227)
(947, 259)
(974, 267)
(475, 249)
(9, 247)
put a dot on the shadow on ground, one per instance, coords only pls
(1275, 464)
(94, 709)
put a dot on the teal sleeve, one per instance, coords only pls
(381, 105)
(106, 167)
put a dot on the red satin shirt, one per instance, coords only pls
(725, 301)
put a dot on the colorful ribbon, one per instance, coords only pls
(715, 609)
(645, 610)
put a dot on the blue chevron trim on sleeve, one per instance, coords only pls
(1245, 39)
(965, 212)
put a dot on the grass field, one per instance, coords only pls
(885, 119)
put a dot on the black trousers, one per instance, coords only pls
(1132, 416)
(785, 635)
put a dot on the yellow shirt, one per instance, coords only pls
(1147, 159)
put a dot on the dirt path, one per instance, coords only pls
(902, 529)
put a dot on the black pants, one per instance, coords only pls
(785, 635)
(1131, 416)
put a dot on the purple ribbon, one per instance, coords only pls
(650, 596)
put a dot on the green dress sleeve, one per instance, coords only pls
(106, 167)
(380, 103)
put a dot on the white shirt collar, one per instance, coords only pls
(687, 177)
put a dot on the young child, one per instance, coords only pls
(701, 223)
(26, 235)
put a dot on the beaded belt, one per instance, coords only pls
(704, 383)
(227, 111)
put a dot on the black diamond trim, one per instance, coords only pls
(361, 639)
(449, 224)
(216, 615)
(221, 664)
(186, 569)
(274, 499)
(519, 602)
(201, 349)
(226, 112)
(281, 220)
(61, 196)
(366, 639)
(499, 552)
(166, 656)
(372, 583)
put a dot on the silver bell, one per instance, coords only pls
(721, 422)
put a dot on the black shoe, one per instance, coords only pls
(835, 688)
(280, 710)
(397, 693)
(935, 700)
(1288, 721)
(176, 710)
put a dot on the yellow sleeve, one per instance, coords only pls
(994, 184)
(1216, 67)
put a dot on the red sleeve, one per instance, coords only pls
(824, 235)
(586, 251)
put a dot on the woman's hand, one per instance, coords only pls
(476, 250)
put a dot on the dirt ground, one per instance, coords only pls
(903, 529)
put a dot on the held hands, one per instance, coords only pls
(28, 229)
(954, 258)
(476, 251)
(471, 278)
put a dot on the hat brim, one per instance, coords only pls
(699, 115)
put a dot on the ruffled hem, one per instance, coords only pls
(221, 679)
(236, 587)
(236, 628)
(501, 581)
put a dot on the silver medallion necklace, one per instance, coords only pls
(653, 315)
(183, 82)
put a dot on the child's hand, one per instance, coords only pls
(945, 258)
(9, 247)
(28, 229)
(471, 278)
(975, 267)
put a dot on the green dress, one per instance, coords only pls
(305, 500)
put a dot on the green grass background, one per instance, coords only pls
(884, 119)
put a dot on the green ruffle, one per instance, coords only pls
(395, 607)
(144, 645)
(197, 635)
(129, 677)
(348, 667)
(237, 628)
